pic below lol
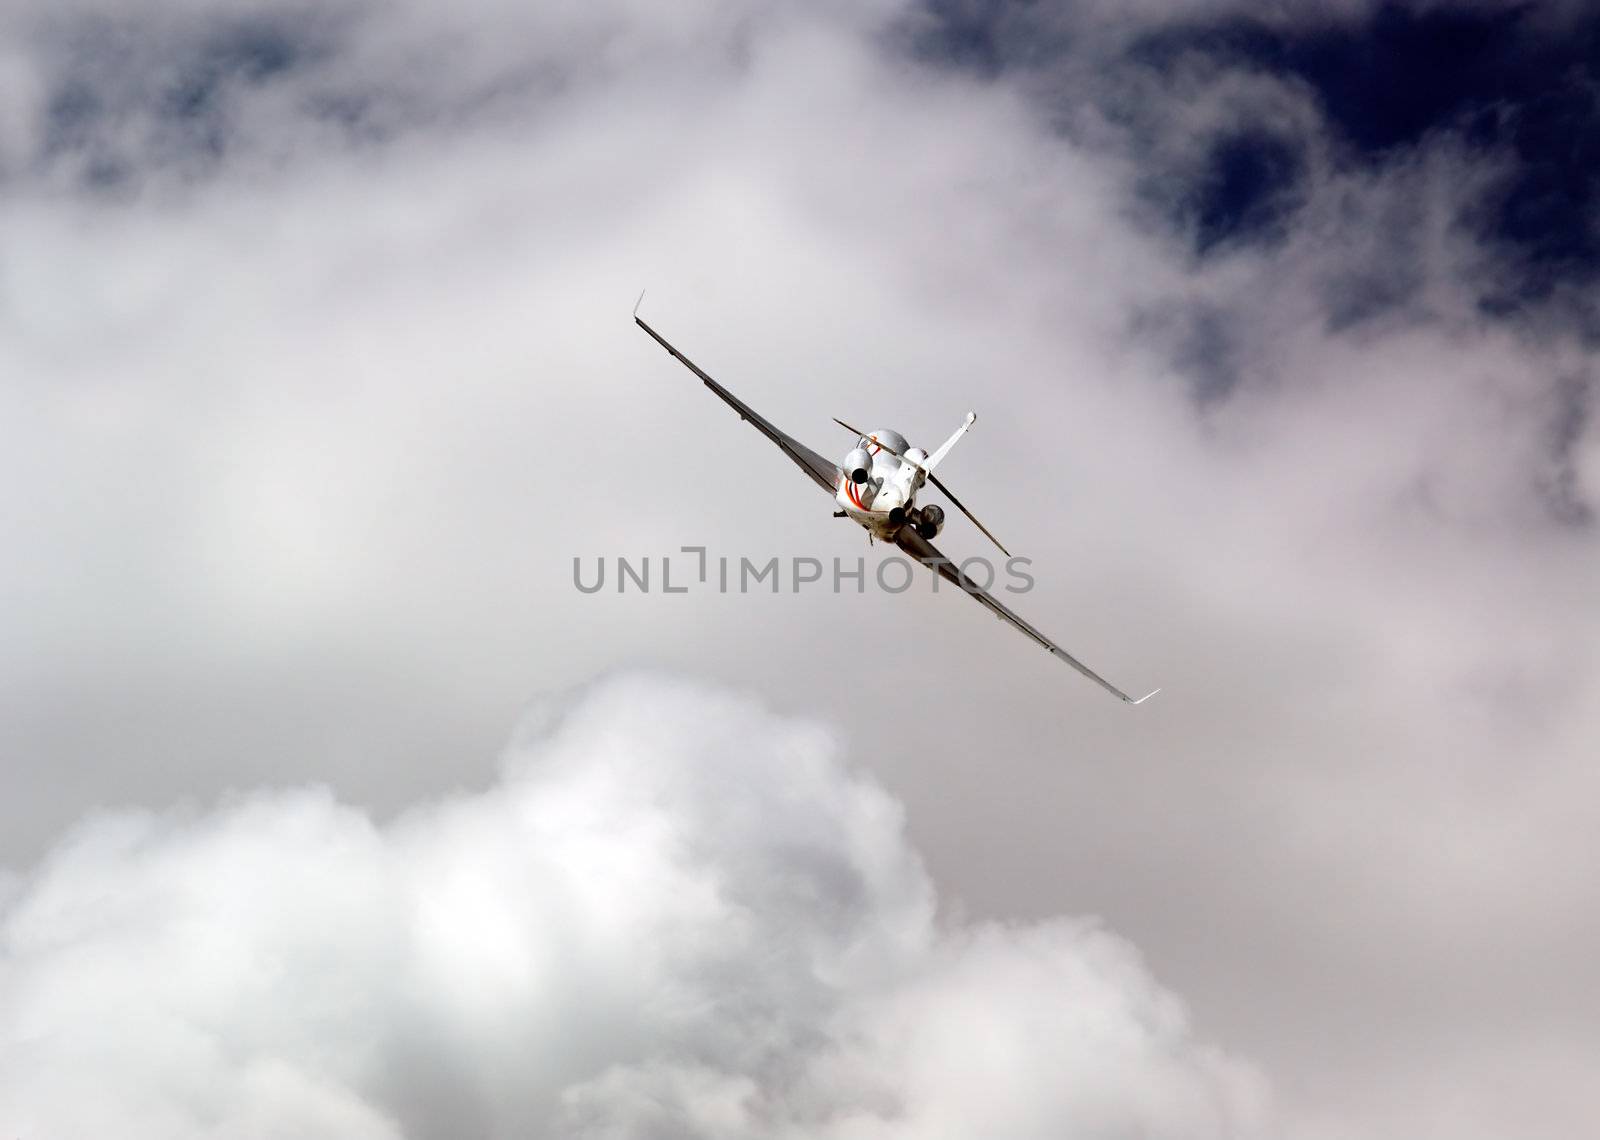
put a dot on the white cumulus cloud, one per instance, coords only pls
(674, 914)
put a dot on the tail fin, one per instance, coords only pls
(933, 460)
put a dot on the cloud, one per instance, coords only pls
(1369, 85)
(301, 432)
(674, 914)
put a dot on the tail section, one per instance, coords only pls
(933, 460)
(928, 464)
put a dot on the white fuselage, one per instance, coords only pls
(882, 503)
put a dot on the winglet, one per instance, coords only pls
(637, 303)
(1144, 698)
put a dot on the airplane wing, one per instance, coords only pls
(823, 473)
(926, 553)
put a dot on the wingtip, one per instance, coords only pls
(1144, 698)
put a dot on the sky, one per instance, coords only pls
(331, 804)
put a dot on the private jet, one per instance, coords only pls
(876, 486)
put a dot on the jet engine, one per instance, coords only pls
(858, 465)
(930, 520)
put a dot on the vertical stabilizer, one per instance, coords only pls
(933, 460)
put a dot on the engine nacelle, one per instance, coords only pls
(858, 465)
(930, 520)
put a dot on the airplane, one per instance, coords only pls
(876, 486)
